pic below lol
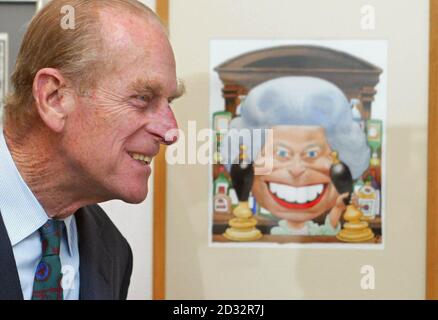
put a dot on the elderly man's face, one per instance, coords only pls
(114, 133)
(299, 187)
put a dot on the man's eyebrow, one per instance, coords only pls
(155, 89)
(283, 145)
(146, 87)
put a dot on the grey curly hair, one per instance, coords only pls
(301, 101)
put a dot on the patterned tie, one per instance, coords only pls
(48, 276)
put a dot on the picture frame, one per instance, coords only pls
(403, 256)
(362, 81)
(432, 199)
(159, 200)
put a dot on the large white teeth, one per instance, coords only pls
(301, 195)
(141, 157)
(296, 194)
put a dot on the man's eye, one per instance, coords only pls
(140, 101)
(143, 98)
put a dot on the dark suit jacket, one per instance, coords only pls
(105, 264)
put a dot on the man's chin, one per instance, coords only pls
(134, 197)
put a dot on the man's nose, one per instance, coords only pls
(297, 167)
(164, 126)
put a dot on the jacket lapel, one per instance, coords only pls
(96, 265)
(10, 282)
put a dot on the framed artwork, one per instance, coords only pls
(3, 67)
(251, 58)
(291, 87)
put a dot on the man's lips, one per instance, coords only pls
(290, 197)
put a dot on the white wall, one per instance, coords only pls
(135, 223)
(150, 3)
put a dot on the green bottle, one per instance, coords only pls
(374, 134)
(221, 184)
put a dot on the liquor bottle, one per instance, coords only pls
(221, 182)
(369, 200)
(374, 134)
(375, 170)
(222, 202)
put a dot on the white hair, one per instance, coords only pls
(301, 101)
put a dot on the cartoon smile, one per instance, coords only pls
(296, 197)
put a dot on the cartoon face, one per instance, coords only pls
(299, 187)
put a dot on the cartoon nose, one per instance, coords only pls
(297, 168)
(164, 126)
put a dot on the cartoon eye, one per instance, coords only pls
(282, 153)
(312, 154)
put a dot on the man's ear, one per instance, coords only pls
(52, 100)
